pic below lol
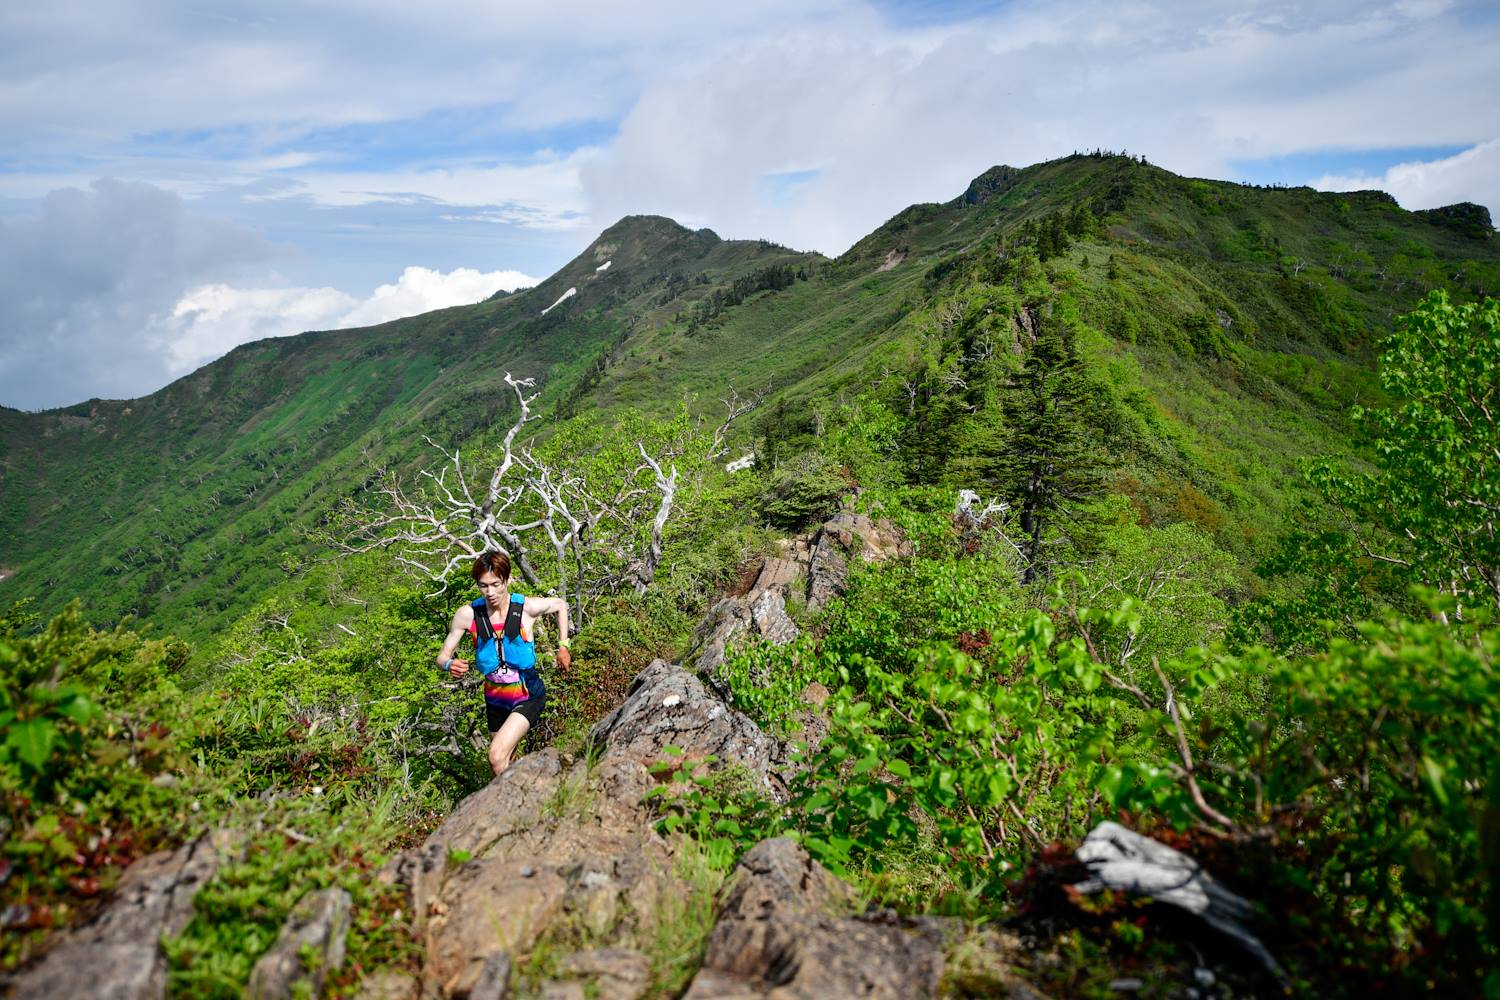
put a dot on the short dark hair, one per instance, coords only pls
(492, 562)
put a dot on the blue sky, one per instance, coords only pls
(175, 180)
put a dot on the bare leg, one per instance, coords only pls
(504, 742)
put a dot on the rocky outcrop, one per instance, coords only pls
(547, 845)
(785, 931)
(667, 706)
(538, 847)
(558, 848)
(760, 615)
(815, 567)
(117, 955)
(311, 944)
(843, 537)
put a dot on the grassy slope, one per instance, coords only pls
(1237, 330)
(183, 505)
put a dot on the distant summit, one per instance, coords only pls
(1465, 216)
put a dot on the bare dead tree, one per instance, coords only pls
(593, 529)
(977, 519)
(736, 406)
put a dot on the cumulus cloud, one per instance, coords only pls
(209, 321)
(888, 117)
(1473, 175)
(81, 280)
(115, 290)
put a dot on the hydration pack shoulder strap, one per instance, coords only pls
(513, 616)
(483, 628)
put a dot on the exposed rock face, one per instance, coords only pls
(844, 536)
(117, 956)
(761, 614)
(534, 847)
(318, 923)
(544, 846)
(667, 706)
(782, 934)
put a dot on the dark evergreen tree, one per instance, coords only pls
(1049, 462)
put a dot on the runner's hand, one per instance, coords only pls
(564, 658)
(458, 667)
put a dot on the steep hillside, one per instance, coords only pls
(180, 506)
(1232, 324)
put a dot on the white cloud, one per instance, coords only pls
(543, 194)
(114, 290)
(420, 290)
(889, 117)
(1473, 175)
(210, 320)
(81, 279)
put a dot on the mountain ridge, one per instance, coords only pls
(184, 498)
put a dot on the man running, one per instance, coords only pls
(502, 625)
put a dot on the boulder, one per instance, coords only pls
(153, 900)
(759, 615)
(844, 536)
(784, 931)
(667, 706)
(538, 847)
(311, 943)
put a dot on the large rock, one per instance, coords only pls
(667, 706)
(784, 932)
(760, 615)
(117, 955)
(537, 848)
(311, 944)
(845, 536)
(610, 973)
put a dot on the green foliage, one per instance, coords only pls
(802, 492)
(92, 765)
(1427, 513)
(902, 753)
(1435, 493)
(309, 843)
(1370, 766)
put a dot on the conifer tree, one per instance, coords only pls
(1050, 462)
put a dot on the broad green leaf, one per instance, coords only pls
(32, 741)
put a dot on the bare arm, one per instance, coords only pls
(538, 606)
(462, 619)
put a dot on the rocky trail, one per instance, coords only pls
(565, 854)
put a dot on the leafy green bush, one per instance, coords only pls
(92, 768)
(801, 492)
(1369, 768)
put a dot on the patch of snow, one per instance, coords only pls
(565, 296)
(603, 267)
(741, 463)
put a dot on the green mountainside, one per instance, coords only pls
(1235, 324)
(1096, 493)
(180, 506)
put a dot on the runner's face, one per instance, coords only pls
(491, 586)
